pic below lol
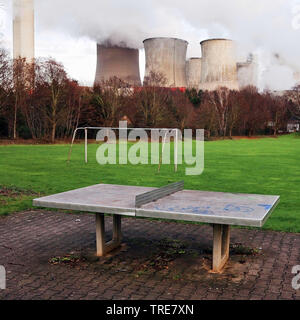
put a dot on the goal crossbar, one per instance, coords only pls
(164, 140)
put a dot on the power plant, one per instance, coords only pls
(120, 62)
(167, 56)
(23, 29)
(219, 68)
(193, 73)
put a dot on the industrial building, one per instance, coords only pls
(193, 73)
(219, 68)
(23, 29)
(167, 56)
(120, 62)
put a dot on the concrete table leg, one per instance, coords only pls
(117, 232)
(220, 246)
(102, 247)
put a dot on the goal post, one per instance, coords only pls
(162, 132)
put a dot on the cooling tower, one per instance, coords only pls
(23, 29)
(219, 68)
(114, 61)
(167, 56)
(193, 72)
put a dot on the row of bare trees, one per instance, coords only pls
(40, 101)
(247, 112)
(222, 112)
(37, 100)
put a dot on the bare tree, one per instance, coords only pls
(152, 100)
(182, 110)
(54, 78)
(255, 112)
(206, 118)
(107, 102)
(234, 111)
(71, 112)
(294, 102)
(219, 101)
(278, 109)
(5, 80)
(36, 97)
(21, 87)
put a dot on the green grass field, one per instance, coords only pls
(264, 166)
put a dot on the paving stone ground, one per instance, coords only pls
(50, 255)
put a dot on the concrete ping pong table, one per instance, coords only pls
(171, 202)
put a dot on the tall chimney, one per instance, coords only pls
(167, 56)
(115, 61)
(219, 68)
(23, 29)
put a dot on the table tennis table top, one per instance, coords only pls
(186, 205)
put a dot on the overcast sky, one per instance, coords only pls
(68, 30)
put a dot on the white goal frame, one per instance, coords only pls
(168, 131)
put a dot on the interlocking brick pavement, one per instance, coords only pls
(160, 260)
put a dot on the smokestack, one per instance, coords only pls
(114, 61)
(219, 66)
(23, 29)
(193, 72)
(167, 56)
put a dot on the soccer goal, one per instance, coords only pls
(164, 134)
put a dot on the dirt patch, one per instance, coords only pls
(167, 250)
(166, 259)
(14, 192)
(240, 249)
(186, 261)
(6, 142)
(252, 137)
(69, 259)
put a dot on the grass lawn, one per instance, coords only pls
(264, 166)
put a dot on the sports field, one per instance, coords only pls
(264, 166)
